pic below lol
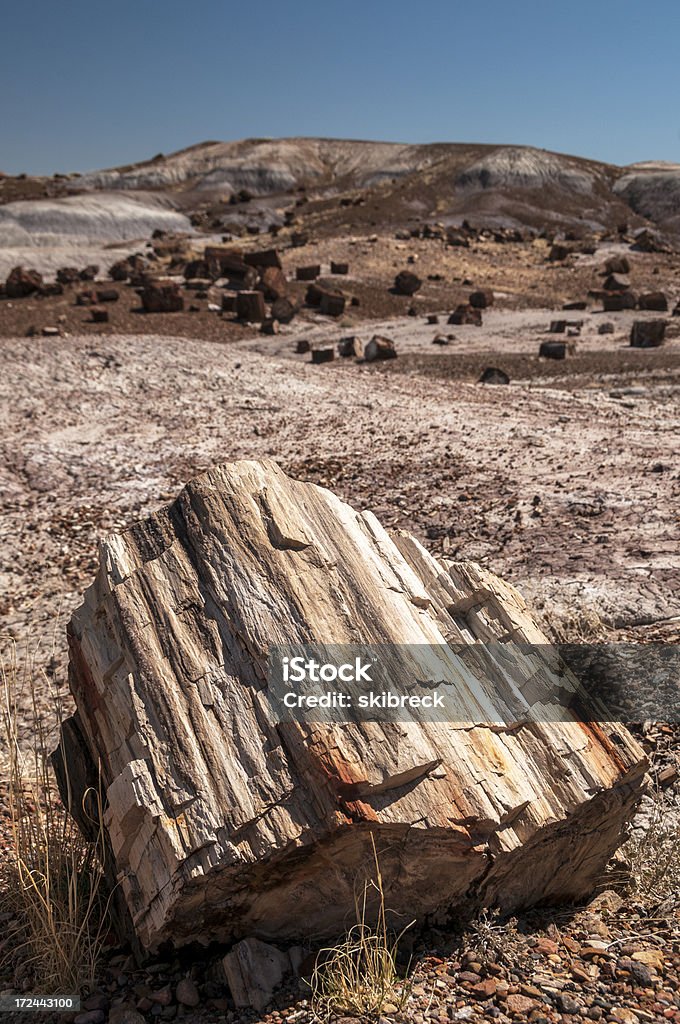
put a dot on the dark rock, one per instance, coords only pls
(196, 269)
(653, 300)
(558, 253)
(465, 314)
(379, 347)
(270, 326)
(575, 305)
(89, 272)
(21, 283)
(607, 328)
(616, 283)
(648, 333)
(298, 239)
(349, 346)
(616, 301)
(68, 275)
(250, 306)
(186, 993)
(617, 265)
(553, 350)
(339, 268)
(481, 299)
(440, 339)
(283, 310)
(407, 283)
(160, 296)
(265, 258)
(332, 304)
(87, 298)
(323, 355)
(309, 273)
(273, 283)
(228, 302)
(99, 315)
(492, 375)
(432, 318)
(107, 295)
(558, 326)
(302, 346)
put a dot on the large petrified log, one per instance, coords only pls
(224, 822)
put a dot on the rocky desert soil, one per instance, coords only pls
(565, 481)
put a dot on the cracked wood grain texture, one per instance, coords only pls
(223, 823)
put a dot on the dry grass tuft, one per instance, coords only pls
(359, 977)
(653, 855)
(51, 878)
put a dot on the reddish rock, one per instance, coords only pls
(273, 283)
(266, 258)
(68, 275)
(21, 283)
(159, 296)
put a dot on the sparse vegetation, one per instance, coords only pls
(51, 878)
(359, 976)
(654, 855)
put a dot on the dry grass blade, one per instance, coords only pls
(359, 977)
(51, 880)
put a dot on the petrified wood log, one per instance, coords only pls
(224, 823)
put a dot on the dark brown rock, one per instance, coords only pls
(68, 275)
(161, 296)
(273, 283)
(553, 350)
(332, 304)
(99, 315)
(617, 265)
(481, 299)
(323, 355)
(558, 326)
(653, 300)
(616, 301)
(89, 272)
(265, 258)
(283, 310)
(616, 283)
(108, 295)
(648, 333)
(309, 273)
(86, 298)
(558, 252)
(339, 268)
(270, 326)
(492, 375)
(302, 346)
(407, 283)
(465, 314)
(22, 282)
(379, 347)
(250, 306)
(228, 302)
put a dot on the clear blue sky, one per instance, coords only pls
(93, 84)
